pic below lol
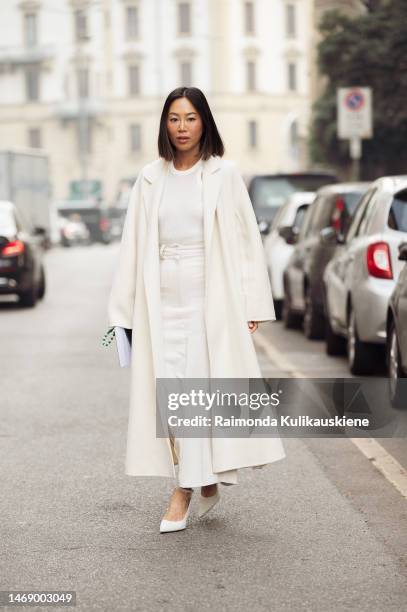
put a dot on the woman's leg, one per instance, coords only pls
(179, 502)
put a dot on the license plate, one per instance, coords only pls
(5, 263)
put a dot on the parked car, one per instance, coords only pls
(93, 214)
(73, 231)
(360, 278)
(331, 210)
(279, 243)
(396, 336)
(21, 256)
(269, 191)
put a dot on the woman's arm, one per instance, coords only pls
(122, 293)
(256, 283)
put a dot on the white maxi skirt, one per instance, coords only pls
(182, 279)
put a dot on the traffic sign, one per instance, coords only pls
(354, 108)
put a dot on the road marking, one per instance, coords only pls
(383, 461)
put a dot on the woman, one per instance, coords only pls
(192, 284)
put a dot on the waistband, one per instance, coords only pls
(177, 250)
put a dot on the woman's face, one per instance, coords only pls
(184, 126)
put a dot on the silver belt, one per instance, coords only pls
(176, 250)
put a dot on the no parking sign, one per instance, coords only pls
(354, 106)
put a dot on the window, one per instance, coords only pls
(367, 216)
(81, 25)
(83, 82)
(290, 20)
(132, 22)
(397, 219)
(135, 138)
(249, 17)
(253, 134)
(292, 76)
(186, 74)
(34, 138)
(32, 83)
(30, 29)
(134, 80)
(184, 18)
(251, 75)
(294, 138)
(300, 216)
(359, 215)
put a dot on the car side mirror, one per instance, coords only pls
(289, 233)
(403, 251)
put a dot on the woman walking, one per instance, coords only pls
(192, 284)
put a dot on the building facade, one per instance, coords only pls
(86, 80)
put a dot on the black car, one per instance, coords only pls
(396, 338)
(268, 192)
(326, 222)
(21, 256)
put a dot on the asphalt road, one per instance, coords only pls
(321, 530)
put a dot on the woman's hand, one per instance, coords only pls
(253, 325)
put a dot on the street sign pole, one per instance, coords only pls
(355, 147)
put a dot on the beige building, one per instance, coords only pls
(85, 80)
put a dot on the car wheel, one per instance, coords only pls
(396, 387)
(290, 319)
(334, 343)
(42, 285)
(361, 355)
(29, 298)
(313, 322)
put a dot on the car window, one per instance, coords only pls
(273, 190)
(322, 214)
(300, 216)
(308, 220)
(342, 209)
(7, 221)
(358, 215)
(367, 216)
(397, 219)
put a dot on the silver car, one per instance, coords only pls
(360, 278)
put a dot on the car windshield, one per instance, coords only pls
(7, 223)
(398, 212)
(272, 191)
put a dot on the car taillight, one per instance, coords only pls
(16, 247)
(378, 260)
(104, 224)
(337, 214)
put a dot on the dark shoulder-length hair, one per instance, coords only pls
(210, 143)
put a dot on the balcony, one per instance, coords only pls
(16, 56)
(74, 109)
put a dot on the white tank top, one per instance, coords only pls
(180, 215)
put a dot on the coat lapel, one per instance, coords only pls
(153, 185)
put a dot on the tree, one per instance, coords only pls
(371, 51)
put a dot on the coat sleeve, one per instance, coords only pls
(255, 279)
(123, 289)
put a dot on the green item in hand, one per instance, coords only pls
(108, 336)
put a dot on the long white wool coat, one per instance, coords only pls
(237, 291)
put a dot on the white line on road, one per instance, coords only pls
(391, 469)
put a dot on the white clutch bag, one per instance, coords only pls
(123, 346)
